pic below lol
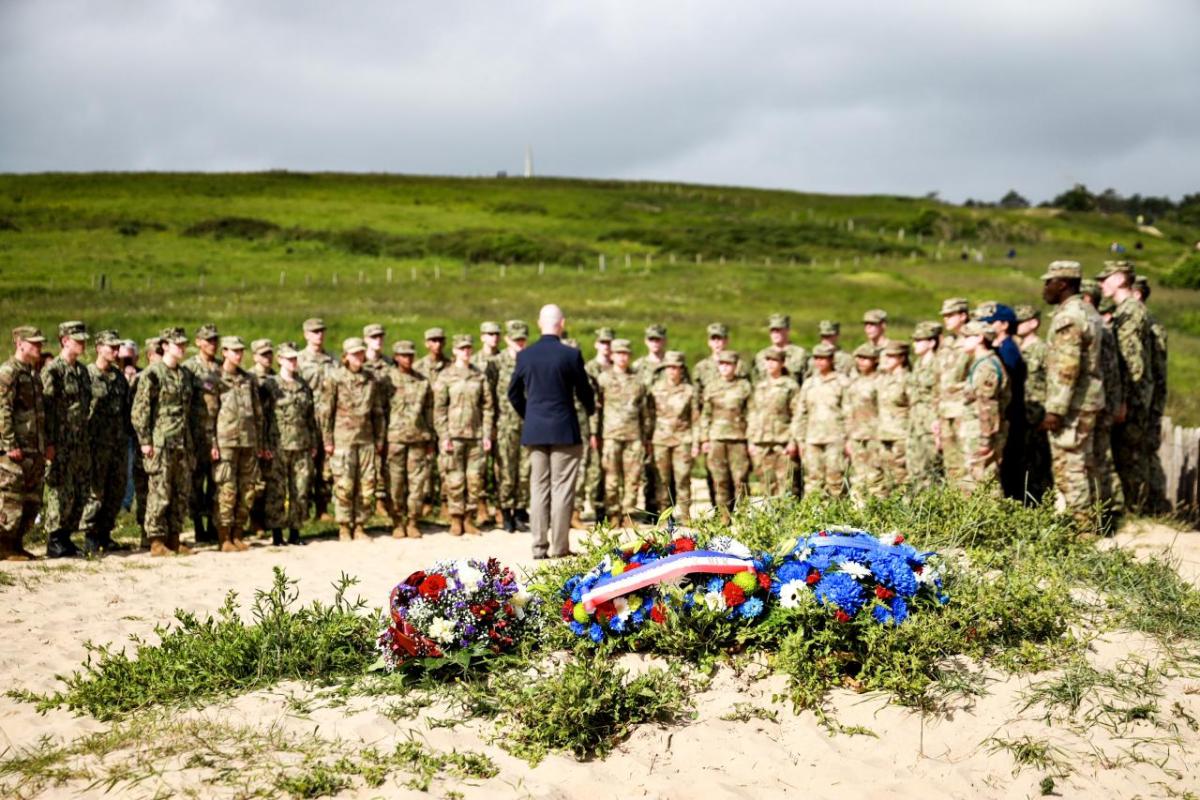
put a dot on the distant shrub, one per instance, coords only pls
(132, 227)
(1185, 274)
(733, 238)
(7, 224)
(518, 208)
(233, 228)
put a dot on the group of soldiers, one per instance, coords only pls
(977, 400)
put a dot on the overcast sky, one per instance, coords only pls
(967, 97)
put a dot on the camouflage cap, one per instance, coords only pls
(978, 328)
(109, 337)
(314, 324)
(127, 344)
(1113, 267)
(260, 346)
(1107, 306)
(866, 351)
(621, 346)
(605, 334)
(207, 332)
(173, 336)
(28, 333)
(232, 343)
(354, 345)
(828, 327)
(287, 350)
(73, 328)
(517, 329)
(434, 333)
(1027, 312)
(984, 310)
(153, 343)
(464, 340)
(404, 347)
(489, 327)
(674, 358)
(374, 329)
(1089, 287)
(727, 357)
(824, 350)
(656, 331)
(896, 347)
(1063, 269)
(718, 330)
(955, 305)
(927, 329)
(876, 316)
(778, 321)
(775, 354)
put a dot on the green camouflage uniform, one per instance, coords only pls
(109, 432)
(352, 426)
(952, 365)
(464, 414)
(207, 374)
(292, 435)
(378, 367)
(410, 442)
(1158, 406)
(141, 481)
(723, 425)
(67, 395)
(774, 408)
(1108, 483)
(432, 369)
(1036, 454)
(821, 428)
(843, 364)
(269, 472)
(512, 460)
(316, 367)
(238, 433)
(1132, 439)
(592, 471)
(23, 427)
(624, 427)
(675, 422)
(895, 404)
(487, 363)
(985, 396)
(862, 434)
(922, 459)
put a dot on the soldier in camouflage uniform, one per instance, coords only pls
(894, 385)
(378, 365)
(410, 437)
(862, 425)
(985, 396)
(485, 360)
(512, 460)
(206, 369)
(723, 414)
(921, 456)
(674, 413)
(1107, 483)
(351, 437)
(875, 328)
(952, 364)
(237, 434)
(141, 481)
(625, 428)
(649, 369)
(588, 425)
(830, 331)
(771, 431)
(168, 417)
(316, 367)
(431, 365)
(263, 370)
(108, 435)
(22, 443)
(707, 370)
(293, 437)
(465, 418)
(1074, 388)
(779, 327)
(821, 425)
(1158, 402)
(1035, 453)
(67, 395)
(590, 482)
(1132, 438)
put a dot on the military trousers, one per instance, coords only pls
(21, 485)
(170, 480)
(462, 476)
(773, 467)
(825, 468)
(893, 466)
(1132, 443)
(1157, 475)
(407, 469)
(512, 469)
(593, 477)
(285, 502)
(979, 471)
(204, 492)
(673, 466)
(1036, 464)
(110, 473)
(236, 477)
(1072, 459)
(1107, 482)
(353, 483)
(68, 482)
(922, 460)
(866, 478)
(267, 511)
(622, 476)
(952, 452)
(729, 464)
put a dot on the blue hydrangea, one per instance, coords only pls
(596, 633)
(840, 589)
(899, 609)
(714, 585)
(578, 628)
(792, 571)
(616, 624)
(751, 608)
(894, 573)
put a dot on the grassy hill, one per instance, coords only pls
(257, 253)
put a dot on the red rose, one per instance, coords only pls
(764, 580)
(605, 611)
(657, 614)
(884, 593)
(734, 596)
(813, 578)
(918, 569)
(431, 588)
(841, 616)
(568, 611)
(899, 538)
(683, 545)
(823, 533)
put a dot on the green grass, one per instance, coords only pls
(187, 248)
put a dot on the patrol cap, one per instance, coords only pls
(955, 305)
(979, 328)
(434, 333)
(489, 327)
(1089, 287)
(866, 351)
(1107, 306)
(172, 336)
(28, 333)
(128, 344)
(517, 329)
(777, 321)
(109, 337)
(605, 334)
(153, 343)
(828, 327)
(404, 347)
(374, 329)
(824, 350)
(464, 340)
(75, 329)
(207, 332)
(656, 331)
(286, 350)
(1026, 312)
(927, 330)
(232, 343)
(1063, 269)
(727, 357)
(621, 346)
(314, 324)
(876, 316)
(1113, 267)
(259, 346)
(354, 345)
(984, 310)
(775, 354)
(674, 358)
(718, 330)
(896, 348)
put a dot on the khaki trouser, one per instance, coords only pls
(729, 463)
(236, 477)
(407, 476)
(622, 476)
(553, 469)
(353, 483)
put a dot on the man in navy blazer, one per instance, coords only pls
(548, 378)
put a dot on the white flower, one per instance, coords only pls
(888, 539)
(622, 607)
(731, 546)
(792, 594)
(519, 601)
(714, 601)
(442, 630)
(855, 569)
(469, 576)
(804, 554)
(928, 575)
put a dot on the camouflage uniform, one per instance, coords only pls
(486, 360)
(352, 426)
(922, 459)
(464, 414)
(895, 405)
(1132, 440)
(1158, 406)
(862, 431)
(207, 374)
(316, 367)
(67, 395)
(985, 396)
(378, 367)
(952, 366)
(774, 407)
(589, 425)
(238, 433)
(649, 369)
(795, 357)
(432, 369)
(293, 435)
(109, 435)
(512, 460)
(625, 428)
(1036, 451)
(590, 482)
(410, 441)
(843, 362)
(675, 423)
(723, 426)
(22, 427)
(263, 517)
(821, 429)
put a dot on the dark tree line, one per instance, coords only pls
(1110, 201)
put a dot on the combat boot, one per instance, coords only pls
(235, 536)
(381, 508)
(175, 546)
(344, 533)
(412, 531)
(482, 517)
(426, 510)
(277, 537)
(11, 549)
(227, 546)
(91, 544)
(158, 546)
(522, 517)
(360, 534)
(499, 517)
(577, 521)
(398, 528)
(294, 537)
(456, 524)
(469, 525)
(60, 545)
(509, 522)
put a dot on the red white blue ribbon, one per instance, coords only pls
(664, 569)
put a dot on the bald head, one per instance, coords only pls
(550, 320)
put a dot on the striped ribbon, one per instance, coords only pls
(664, 569)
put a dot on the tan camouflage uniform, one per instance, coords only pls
(625, 427)
(22, 427)
(238, 433)
(895, 404)
(723, 427)
(293, 437)
(352, 426)
(675, 421)
(410, 436)
(862, 435)
(464, 414)
(981, 427)
(774, 408)
(821, 428)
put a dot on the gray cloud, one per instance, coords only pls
(967, 98)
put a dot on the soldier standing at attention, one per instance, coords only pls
(316, 367)
(465, 418)
(410, 437)
(921, 456)
(23, 448)
(795, 357)
(431, 365)
(294, 437)
(843, 362)
(1074, 388)
(108, 438)
(67, 394)
(952, 364)
(591, 472)
(625, 426)
(723, 432)
(894, 386)
(484, 360)
(1004, 322)
(985, 397)
(649, 369)
(168, 415)
(351, 439)
(141, 481)
(263, 370)
(588, 425)
(707, 370)
(1158, 403)
(1107, 487)
(875, 328)
(377, 364)
(821, 425)
(675, 421)
(771, 432)
(1035, 453)
(512, 460)
(237, 436)
(862, 424)
(206, 369)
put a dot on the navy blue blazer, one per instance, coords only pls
(548, 378)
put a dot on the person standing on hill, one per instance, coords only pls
(263, 370)
(67, 394)
(410, 436)
(1158, 402)
(465, 419)
(624, 432)
(141, 481)
(830, 331)
(894, 385)
(1004, 322)
(779, 328)
(1108, 484)
(952, 365)
(108, 439)
(649, 369)
(237, 437)
(592, 478)
(485, 360)
(985, 396)
(294, 437)
(821, 425)
(23, 444)
(317, 367)
(675, 421)
(771, 432)
(512, 460)
(723, 433)
(206, 370)
(921, 456)
(351, 439)
(875, 328)
(862, 425)
(431, 365)
(377, 364)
